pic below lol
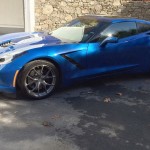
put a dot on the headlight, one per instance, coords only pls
(7, 58)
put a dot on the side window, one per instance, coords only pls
(143, 27)
(119, 30)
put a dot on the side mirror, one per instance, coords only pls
(109, 40)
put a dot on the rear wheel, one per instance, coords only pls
(38, 79)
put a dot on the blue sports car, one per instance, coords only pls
(87, 47)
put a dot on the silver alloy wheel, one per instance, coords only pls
(40, 81)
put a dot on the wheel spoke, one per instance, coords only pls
(30, 83)
(48, 83)
(45, 87)
(38, 88)
(50, 77)
(30, 77)
(42, 70)
(34, 88)
(47, 73)
(36, 71)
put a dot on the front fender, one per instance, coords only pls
(8, 71)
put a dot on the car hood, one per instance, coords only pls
(25, 41)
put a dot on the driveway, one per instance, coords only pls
(110, 114)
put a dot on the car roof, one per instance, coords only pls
(113, 19)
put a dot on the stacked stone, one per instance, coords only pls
(53, 13)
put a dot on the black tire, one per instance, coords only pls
(38, 79)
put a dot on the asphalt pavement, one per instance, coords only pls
(108, 114)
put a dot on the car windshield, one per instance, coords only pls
(78, 30)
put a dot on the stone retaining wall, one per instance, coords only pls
(53, 13)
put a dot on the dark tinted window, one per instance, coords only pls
(143, 27)
(119, 30)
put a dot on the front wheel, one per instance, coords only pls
(38, 79)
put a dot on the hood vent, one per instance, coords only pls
(6, 44)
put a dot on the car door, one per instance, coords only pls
(125, 55)
(144, 38)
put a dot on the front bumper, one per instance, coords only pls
(7, 74)
(7, 89)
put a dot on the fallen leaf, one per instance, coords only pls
(46, 124)
(55, 117)
(107, 100)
